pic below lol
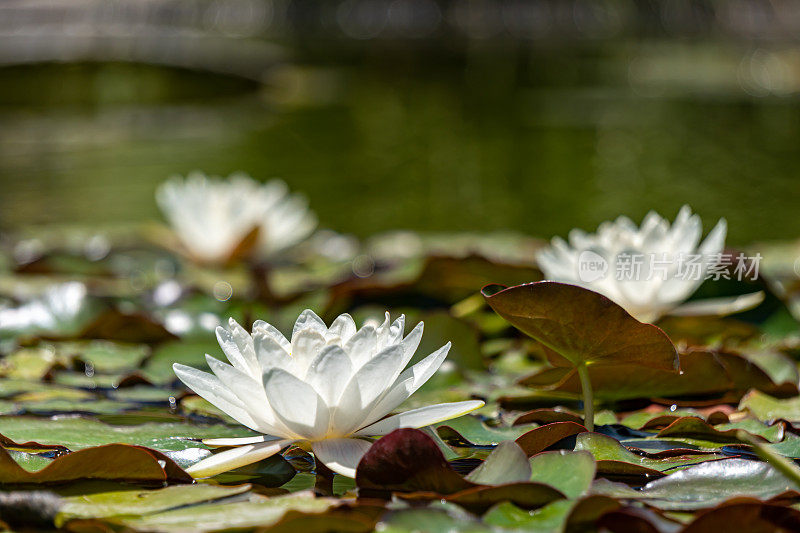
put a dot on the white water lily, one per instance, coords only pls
(328, 388)
(594, 261)
(213, 216)
(60, 308)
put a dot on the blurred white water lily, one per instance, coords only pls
(660, 281)
(212, 216)
(328, 388)
(59, 309)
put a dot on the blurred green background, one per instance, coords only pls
(433, 116)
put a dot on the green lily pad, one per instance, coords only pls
(707, 484)
(472, 430)
(253, 511)
(765, 407)
(613, 458)
(570, 472)
(132, 502)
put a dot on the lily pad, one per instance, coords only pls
(581, 326)
(113, 461)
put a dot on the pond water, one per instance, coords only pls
(499, 139)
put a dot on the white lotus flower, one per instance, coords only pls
(329, 388)
(212, 216)
(603, 261)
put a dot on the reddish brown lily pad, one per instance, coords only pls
(541, 438)
(120, 462)
(581, 326)
(408, 460)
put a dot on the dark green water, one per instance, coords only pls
(538, 143)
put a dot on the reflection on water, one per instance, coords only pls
(536, 143)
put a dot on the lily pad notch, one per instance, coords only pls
(579, 328)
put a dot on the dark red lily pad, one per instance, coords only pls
(581, 326)
(408, 460)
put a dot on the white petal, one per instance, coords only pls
(235, 458)
(343, 327)
(237, 345)
(341, 455)
(411, 341)
(309, 319)
(715, 241)
(240, 441)
(507, 463)
(348, 415)
(306, 345)
(376, 375)
(210, 388)
(274, 333)
(720, 306)
(426, 368)
(424, 416)
(397, 394)
(296, 404)
(247, 390)
(329, 373)
(396, 330)
(362, 346)
(269, 351)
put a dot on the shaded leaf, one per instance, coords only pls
(112, 461)
(582, 326)
(543, 437)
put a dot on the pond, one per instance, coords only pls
(499, 138)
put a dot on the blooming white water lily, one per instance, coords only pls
(212, 216)
(327, 387)
(59, 309)
(605, 262)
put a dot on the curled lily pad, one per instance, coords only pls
(581, 329)
(581, 326)
(615, 459)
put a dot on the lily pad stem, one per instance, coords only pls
(588, 396)
(323, 485)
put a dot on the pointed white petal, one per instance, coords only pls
(426, 368)
(362, 346)
(240, 441)
(343, 327)
(720, 306)
(296, 404)
(424, 416)
(507, 463)
(235, 458)
(411, 341)
(348, 415)
(269, 351)
(341, 455)
(397, 394)
(237, 345)
(329, 373)
(376, 375)
(715, 241)
(309, 319)
(306, 344)
(210, 388)
(274, 333)
(247, 390)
